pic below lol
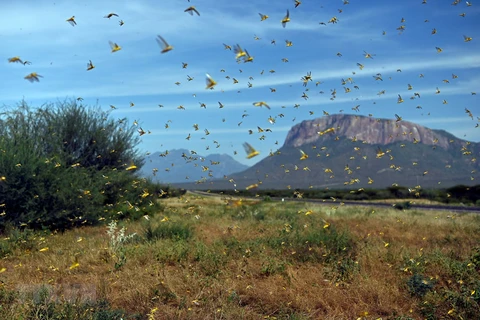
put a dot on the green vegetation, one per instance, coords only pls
(64, 165)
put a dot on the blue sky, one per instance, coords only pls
(37, 31)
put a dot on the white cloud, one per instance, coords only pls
(161, 81)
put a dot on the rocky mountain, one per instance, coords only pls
(368, 129)
(181, 165)
(349, 151)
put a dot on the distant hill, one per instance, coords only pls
(349, 151)
(180, 165)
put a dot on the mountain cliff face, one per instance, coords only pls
(368, 129)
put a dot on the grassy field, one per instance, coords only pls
(210, 258)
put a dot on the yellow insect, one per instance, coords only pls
(210, 82)
(251, 152)
(399, 100)
(15, 59)
(239, 52)
(325, 224)
(90, 65)
(72, 21)
(261, 104)
(131, 167)
(321, 133)
(145, 193)
(191, 10)
(304, 155)
(162, 43)
(333, 20)
(74, 265)
(248, 57)
(263, 17)
(227, 47)
(368, 55)
(115, 47)
(252, 186)
(286, 19)
(380, 153)
(467, 39)
(32, 77)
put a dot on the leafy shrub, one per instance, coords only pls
(63, 166)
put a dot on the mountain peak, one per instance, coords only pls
(368, 129)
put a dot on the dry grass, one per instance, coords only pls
(263, 260)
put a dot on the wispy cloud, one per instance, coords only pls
(161, 80)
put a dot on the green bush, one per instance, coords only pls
(64, 165)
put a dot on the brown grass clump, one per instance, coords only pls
(211, 258)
